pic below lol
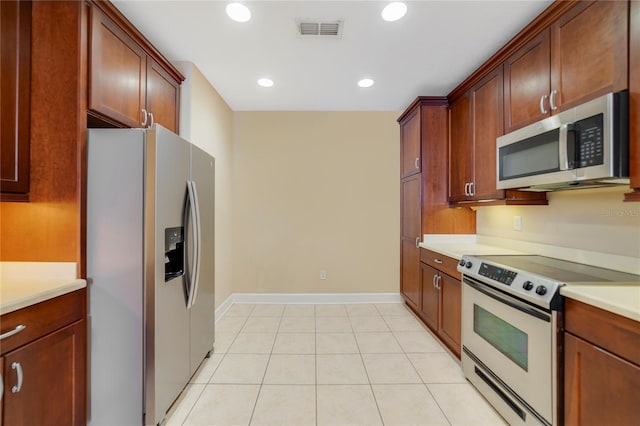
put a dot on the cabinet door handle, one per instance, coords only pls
(433, 281)
(472, 190)
(150, 119)
(543, 110)
(466, 189)
(16, 330)
(16, 366)
(438, 286)
(438, 261)
(417, 242)
(417, 163)
(552, 96)
(144, 118)
(1, 388)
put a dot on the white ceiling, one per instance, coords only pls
(428, 52)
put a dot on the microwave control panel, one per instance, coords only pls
(590, 141)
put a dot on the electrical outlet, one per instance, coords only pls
(323, 274)
(517, 223)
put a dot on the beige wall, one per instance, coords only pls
(312, 191)
(206, 121)
(589, 219)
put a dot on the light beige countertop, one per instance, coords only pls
(620, 298)
(457, 245)
(26, 283)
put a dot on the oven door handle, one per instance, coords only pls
(507, 301)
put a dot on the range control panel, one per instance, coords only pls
(502, 275)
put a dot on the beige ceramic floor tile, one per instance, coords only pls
(408, 405)
(178, 414)
(206, 369)
(239, 310)
(418, 341)
(392, 309)
(291, 370)
(362, 310)
(332, 324)
(336, 343)
(267, 310)
(295, 343)
(241, 369)
(347, 405)
(285, 405)
(252, 343)
(377, 343)
(230, 325)
(390, 369)
(300, 311)
(463, 405)
(403, 323)
(223, 341)
(224, 405)
(340, 369)
(261, 325)
(363, 324)
(437, 368)
(331, 311)
(297, 325)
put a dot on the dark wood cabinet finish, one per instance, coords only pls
(430, 308)
(410, 146)
(460, 149)
(601, 367)
(451, 313)
(15, 82)
(51, 355)
(634, 101)
(131, 85)
(410, 229)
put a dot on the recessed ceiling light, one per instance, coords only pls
(265, 82)
(394, 11)
(238, 12)
(365, 82)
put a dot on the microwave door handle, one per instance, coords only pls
(562, 146)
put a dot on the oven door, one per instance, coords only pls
(512, 342)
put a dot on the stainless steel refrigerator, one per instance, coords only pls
(150, 271)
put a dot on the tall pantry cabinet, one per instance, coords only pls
(424, 206)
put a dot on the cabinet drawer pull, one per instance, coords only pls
(543, 110)
(16, 366)
(552, 103)
(144, 120)
(16, 330)
(438, 261)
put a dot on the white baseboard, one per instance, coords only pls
(307, 298)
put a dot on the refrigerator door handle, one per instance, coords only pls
(195, 228)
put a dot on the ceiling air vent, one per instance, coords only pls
(309, 27)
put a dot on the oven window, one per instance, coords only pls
(509, 340)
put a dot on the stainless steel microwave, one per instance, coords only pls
(584, 146)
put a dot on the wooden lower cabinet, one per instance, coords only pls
(441, 298)
(601, 367)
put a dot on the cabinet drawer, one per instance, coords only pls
(439, 261)
(612, 332)
(43, 318)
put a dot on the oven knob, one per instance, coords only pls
(528, 285)
(469, 265)
(541, 290)
(462, 262)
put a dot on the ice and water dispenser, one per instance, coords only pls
(173, 252)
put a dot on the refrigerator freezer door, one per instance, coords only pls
(167, 328)
(203, 309)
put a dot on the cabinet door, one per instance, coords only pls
(460, 149)
(118, 68)
(589, 52)
(451, 313)
(527, 83)
(410, 144)
(600, 388)
(53, 390)
(410, 228)
(487, 126)
(634, 101)
(15, 45)
(430, 296)
(163, 96)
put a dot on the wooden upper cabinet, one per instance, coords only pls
(460, 149)
(130, 84)
(15, 77)
(410, 140)
(581, 56)
(118, 71)
(634, 101)
(527, 84)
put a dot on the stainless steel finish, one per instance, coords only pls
(144, 121)
(16, 330)
(543, 98)
(417, 242)
(142, 334)
(193, 215)
(552, 104)
(16, 366)
(562, 148)
(417, 163)
(599, 175)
